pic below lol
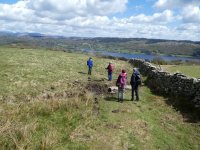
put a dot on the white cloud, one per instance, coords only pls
(65, 9)
(170, 4)
(60, 9)
(191, 14)
(17, 11)
(93, 18)
(157, 18)
(188, 30)
(105, 27)
(187, 11)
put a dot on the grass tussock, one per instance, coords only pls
(16, 136)
(35, 124)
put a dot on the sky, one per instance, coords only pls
(157, 19)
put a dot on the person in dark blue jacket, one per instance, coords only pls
(135, 82)
(90, 65)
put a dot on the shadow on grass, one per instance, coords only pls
(114, 99)
(188, 111)
(99, 80)
(182, 104)
(82, 72)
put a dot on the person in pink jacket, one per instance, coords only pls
(121, 83)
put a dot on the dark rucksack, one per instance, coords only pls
(138, 79)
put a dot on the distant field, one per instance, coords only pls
(189, 70)
(48, 102)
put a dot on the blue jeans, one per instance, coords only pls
(109, 76)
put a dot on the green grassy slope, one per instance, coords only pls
(46, 103)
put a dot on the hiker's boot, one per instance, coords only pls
(132, 99)
(137, 98)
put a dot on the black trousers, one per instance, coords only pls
(135, 90)
(89, 70)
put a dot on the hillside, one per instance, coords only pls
(124, 45)
(47, 102)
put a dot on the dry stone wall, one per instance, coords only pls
(177, 84)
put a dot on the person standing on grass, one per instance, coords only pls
(135, 82)
(110, 69)
(90, 65)
(121, 83)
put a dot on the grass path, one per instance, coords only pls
(75, 118)
(147, 124)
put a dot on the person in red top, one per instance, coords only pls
(121, 83)
(110, 69)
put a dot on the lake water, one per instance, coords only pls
(143, 56)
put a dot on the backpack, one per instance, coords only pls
(111, 67)
(122, 80)
(138, 79)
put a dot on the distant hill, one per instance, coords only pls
(124, 45)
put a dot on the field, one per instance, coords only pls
(48, 102)
(189, 70)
